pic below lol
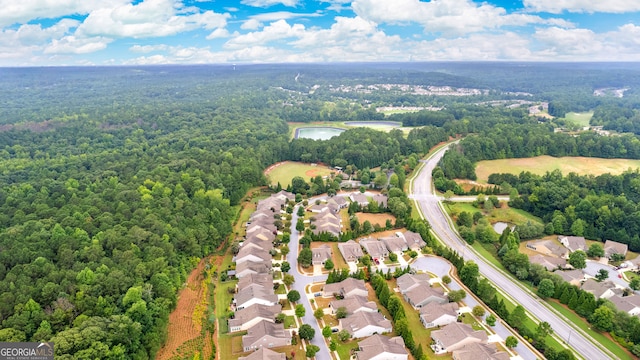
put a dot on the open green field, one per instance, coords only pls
(503, 214)
(283, 172)
(541, 164)
(581, 119)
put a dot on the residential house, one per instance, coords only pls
(350, 250)
(359, 198)
(321, 254)
(346, 288)
(479, 351)
(339, 201)
(264, 354)
(548, 262)
(601, 290)
(326, 226)
(266, 335)
(394, 244)
(353, 304)
(381, 200)
(257, 243)
(261, 233)
(255, 294)
(407, 282)
(285, 195)
(380, 347)
(547, 247)
(629, 304)
(260, 225)
(272, 204)
(612, 247)
(455, 336)
(318, 208)
(424, 294)
(252, 254)
(261, 279)
(250, 316)
(413, 240)
(374, 248)
(573, 243)
(438, 314)
(364, 323)
(573, 277)
(251, 267)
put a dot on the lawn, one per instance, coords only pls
(380, 219)
(338, 260)
(289, 322)
(581, 119)
(283, 172)
(344, 349)
(541, 164)
(467, 318)
(502, 214)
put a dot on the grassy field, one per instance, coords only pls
(581, 119)
(284, 172)
(503, 214)
(542, 164)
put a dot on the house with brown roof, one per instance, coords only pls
(346, 288)
(629, 304)
(284, 195)
(321, 254)
(414, 240)
(548, 247)
(262, 279)
(339, 201)
(249, 316)
(266, 335)
(273, 204)
(394, 244)
(477, 351)
(424, 294)
(251, 267)
(455, 336)
(613, 247)
(374, 248)
(359, 198)
(438, 314)
(573, 243)
(261, 234)
(353, 304)
(260, 226)
(601, 290)
(548, 262)
(264, 354)
(257, 243)
(380, 347)
(573, 277)
(407, 282)
(252, 254)
(255, 294)
(350, 250)
(363, 323)
(380, 199)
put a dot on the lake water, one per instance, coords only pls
(500, 226)
(374, 124)
(318, 133)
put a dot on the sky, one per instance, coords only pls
(125, 32)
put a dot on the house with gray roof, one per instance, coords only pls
(548, 262)
(252, 254)
(264, 354)
(547, 247)
(629, 304)
(266, 335)
(573, 243)
(414, 240)
(339, 201)
(406, 282)
(380, 347)
(350, 250)
(424, 294)
(381, 200)
(359, 198)
(613, 247)
(353, 304)
(261, 234)
(261, 225)
(477, 351)
(455, 336)
(346, 288)
(394, 244)
(364, 323)
(255, 294)
(257, 243)
(272, 204)
(375, 248)
(321, 254)
(438, 314)
(250, 267)
(249, 316)
(601, 290)
(284, 195)
(573, 277)
(262, 279)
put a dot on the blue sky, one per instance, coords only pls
(122, 32)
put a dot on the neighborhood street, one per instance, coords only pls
(422, 192)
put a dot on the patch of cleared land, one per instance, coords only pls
(502, 214)
(285, 171)
(376, 125)
(541, 164)
(581, 119)
(379, 219)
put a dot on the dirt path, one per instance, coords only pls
(181, 327)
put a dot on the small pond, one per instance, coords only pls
(318, 133)
(374, 124)
(500, 226)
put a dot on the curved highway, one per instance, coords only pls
(429, 204)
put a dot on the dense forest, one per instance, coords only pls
(115, 181)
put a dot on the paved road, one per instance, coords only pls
(301, 283)
(422, 192)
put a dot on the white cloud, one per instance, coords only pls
(148, 48)
(275, 31)
(450, 17)
(257, 21)
(267, 3)
(251, 24)
(22, 11)
(588, 6)
(564, 42)
(219, 33)
(74, 45)
(150, 18)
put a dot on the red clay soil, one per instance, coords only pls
(181, 326)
